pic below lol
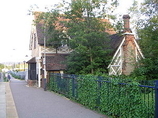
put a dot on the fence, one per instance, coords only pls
(115, 97)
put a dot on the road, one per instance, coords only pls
(32, 102)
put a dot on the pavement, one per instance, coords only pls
(7, 105)
(17, 100)
(2, 101)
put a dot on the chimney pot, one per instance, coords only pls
(126, 17)
(126, 23)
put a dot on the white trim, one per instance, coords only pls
(119, 48)
(115, 67)
(139, 49)
(136, 54)
(128, 33)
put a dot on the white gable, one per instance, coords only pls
(125, 56)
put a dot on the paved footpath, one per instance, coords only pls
(7, 105)
(32, 102)
(2, 100)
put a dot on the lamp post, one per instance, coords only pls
(44, 61)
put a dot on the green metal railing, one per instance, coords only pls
(63, 84)
(114, 97)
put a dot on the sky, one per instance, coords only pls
(15, 27)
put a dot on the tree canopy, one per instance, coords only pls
(88, 38)
(52, 28)
(1, 67)
(148, 34)
(83, 26)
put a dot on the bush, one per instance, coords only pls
(87, 91)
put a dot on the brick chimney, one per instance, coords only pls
(126, 19)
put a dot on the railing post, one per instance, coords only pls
(45, 84)
(73, 86)
(98, 90)
(156, 99)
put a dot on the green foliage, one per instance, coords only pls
(51, 85)
(87, 91)
(88, 38)
(150, 8)
(62, 84)
(149, 44)
(5, 79)
(17, 76)
(1, 67)
(121, 100)
(146, 71)
(149, 36)
(147, 29)
(81, 25)
(52, 28)
(115, 97)
(79, 62)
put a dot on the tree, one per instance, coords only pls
(52, 28)
(149, 44)
(89, 40)
(1, 67)
(81, 25)
(148, 34)
(150, 8)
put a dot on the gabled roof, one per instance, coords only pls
(32, 60)
(115, 41)
(56, 62)
(40, 33)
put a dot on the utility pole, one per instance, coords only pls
(44, 61)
